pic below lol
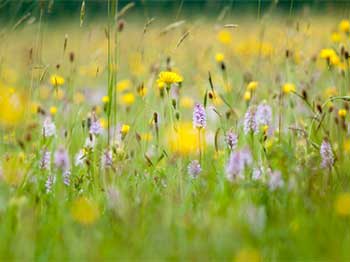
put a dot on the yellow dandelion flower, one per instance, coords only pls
(56, 80)
(12, 106)
(125, 129)
(53, 110)
(344, 26)
(184, 140)
(123, 85)
(219, 57)
(225, 37)
(342, 204)
(342, 112)
(247, 95)
(252, 85)
(327, 53)
(288, 88)
(105, 99)
(84, 211)
(186, 102)
(335, 37)
(168, 78)
(127, 99)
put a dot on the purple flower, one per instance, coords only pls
(194, 168)
(45, 160)
(263, 115)
(62, 159)
(199, 116)
(326, 154)
(275, 181)
(49, 128)
(95, 127)
(237, 163)
(232, 140)
(250, 124)
(107, 159)
(66, 177)
(49, 183)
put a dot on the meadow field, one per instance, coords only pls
(133, 136)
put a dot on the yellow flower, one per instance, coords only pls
(184, 140)
(347, 145)
(84, 211)
(53, 110)
(142, 91)
(252, 85)
(342, 112)
(103, 123)
(288, 88)
(13, 170)
(247, 95)
(127, 99)
(219, 57)
(146, 137)
(342, 204)
(248, 255)
(123, 85)
(105, 99)
(327, 53)
(168, 78)
(12, 106)
(186, 102)
(125, 129)
(344, 26)
(335, 37)
(224, 37)
(56, 80)
(330, 91)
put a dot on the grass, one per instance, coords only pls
(142, 204)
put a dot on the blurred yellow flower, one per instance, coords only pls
(186, 102)
(13, 170)
(103, 123)
(247, 95)
(53, 110)
(127, 99)
(12, 106)
(168, 78)
(123, 85)
(219, 57)
(288, 88)
(252, 85)
(125, 129)
(56, 80)
(330, 91)
(184, 140)
(105, 99)
(84, 211)
(342, 112)
(347, 145)
(335, 37)
(224, 37)
(344, 26)
(342, 204)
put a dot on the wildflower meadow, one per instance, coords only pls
(174, 130)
